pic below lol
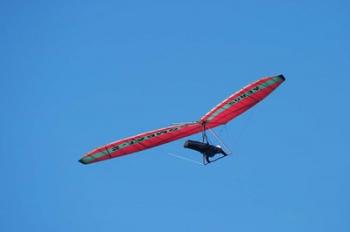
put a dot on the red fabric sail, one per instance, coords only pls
(241, 101)
(227, 110)
(141, 142)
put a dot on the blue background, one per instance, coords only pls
(78, 74)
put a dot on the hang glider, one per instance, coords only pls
(225, 111)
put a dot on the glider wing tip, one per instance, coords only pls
(82, 161)
(282, 77)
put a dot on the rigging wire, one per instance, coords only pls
(186, 159)
(220, 140)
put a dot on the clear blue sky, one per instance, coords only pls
(79, 74)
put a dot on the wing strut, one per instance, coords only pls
(204, 134)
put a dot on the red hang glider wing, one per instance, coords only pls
(241, 101)
(227, 110)
(141, 142)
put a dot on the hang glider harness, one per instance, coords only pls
(205, 148)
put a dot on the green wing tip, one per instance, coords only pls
(282, 77)
(83, 161)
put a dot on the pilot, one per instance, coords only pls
(206, 149)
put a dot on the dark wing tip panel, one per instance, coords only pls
(82, 160)
(282, 77)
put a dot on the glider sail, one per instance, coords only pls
(227, 110)
(141, 142)
(241, 101)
